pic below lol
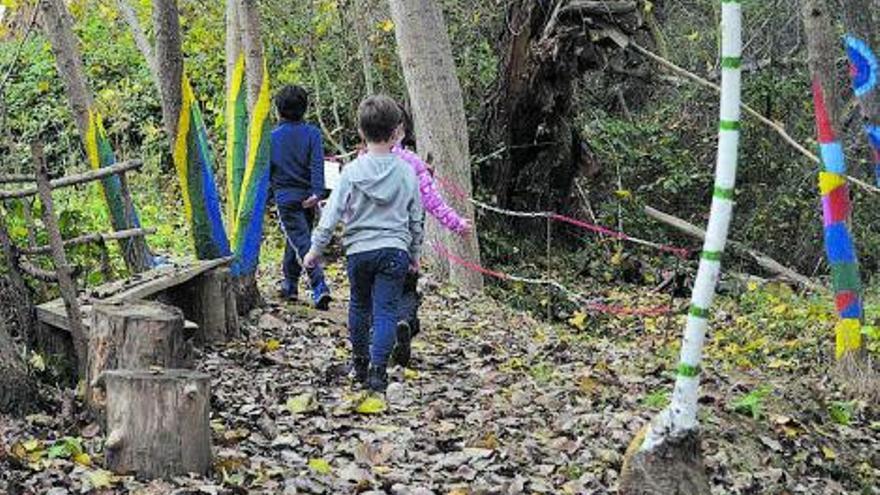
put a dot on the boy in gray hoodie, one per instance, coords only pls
(378, 201)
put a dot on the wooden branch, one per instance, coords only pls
(36, 272)
(608, 7)
(62, 268)
(16, 179)
(77, 179)
(140, 38)
(761, 259)
(91, 238)
(775, 126)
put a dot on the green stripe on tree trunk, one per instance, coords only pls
(729, 125)
(688, 370)
(723, 193)
(699, 312)
(731, 62)
(712, 255)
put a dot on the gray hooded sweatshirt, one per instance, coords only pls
(379, 203)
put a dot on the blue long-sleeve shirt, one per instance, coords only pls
(297, 162)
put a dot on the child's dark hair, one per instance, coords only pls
(292, 102)
(409, 133)
(378, 117)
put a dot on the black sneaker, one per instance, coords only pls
(378, 379)
(361, 370)
(403, 350)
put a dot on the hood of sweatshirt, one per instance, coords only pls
(376, 178)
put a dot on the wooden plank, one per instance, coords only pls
(73, 180)
(147, 289)
(153, 281)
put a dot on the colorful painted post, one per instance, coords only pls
(248, 228)
(236, 140)
(100, 154)
(839, 246)
(864, 73)
(836, 207)
(194, 161)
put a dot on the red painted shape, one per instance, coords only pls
(839, 206)
(844, 299)
(823, 122)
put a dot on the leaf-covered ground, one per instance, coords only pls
(496, 402)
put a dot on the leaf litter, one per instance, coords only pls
(494, 401)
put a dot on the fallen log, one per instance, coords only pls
(761, 259)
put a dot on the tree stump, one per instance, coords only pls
(209, 300)
(158, 423)
(135, 335)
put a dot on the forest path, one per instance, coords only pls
(496, 402)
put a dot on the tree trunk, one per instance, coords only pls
(248, 229)
(191, 151)
(17, 387)
(236, 112)
(158, 422)
(169, 63)
(134, 335)
(667, 459)
(861, 45)
(140, 38)
(209, 300)
(836, 205)
(441, 127)
(360, 20)
(545, 47)
(58, 29)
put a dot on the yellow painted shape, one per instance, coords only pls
(231, 98)
(848, 336)
(96, 127)
(829, 181)
(180, 154)
(255, 134)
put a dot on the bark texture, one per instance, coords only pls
(209, 300)
(546, 47)
(252, 41)
(169, 63)
(134, 335)
(441, 127)
(674, 468)
(157, 423)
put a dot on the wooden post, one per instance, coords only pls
(209, 300)
(62, 268)
(158, 422)
(134, 335)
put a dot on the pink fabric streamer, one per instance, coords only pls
(592, 306)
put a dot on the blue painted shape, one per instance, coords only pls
(863, 64)
(838, 244)
(832, 157)
(249, 257)
(854, 310)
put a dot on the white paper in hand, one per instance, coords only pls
(331, 174)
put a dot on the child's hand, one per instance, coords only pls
(310, 202)
(466, 228)
(311, 260)
(415, 266)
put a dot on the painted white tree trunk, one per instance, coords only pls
(681, 414)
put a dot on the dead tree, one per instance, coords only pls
(438, 111)
(546, 46)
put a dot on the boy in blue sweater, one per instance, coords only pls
(379, 203)
(297, 180)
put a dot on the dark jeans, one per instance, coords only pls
(409, 302)
(297, 222)
(376, 285)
